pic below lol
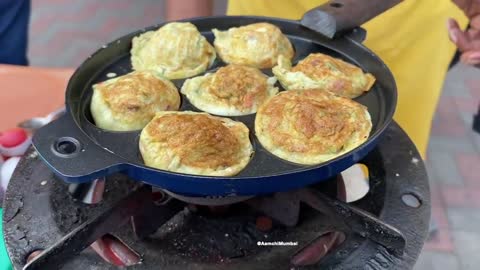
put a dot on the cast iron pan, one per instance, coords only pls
(78, 151)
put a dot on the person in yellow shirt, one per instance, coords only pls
(411, 38)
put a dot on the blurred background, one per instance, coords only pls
(63, 33)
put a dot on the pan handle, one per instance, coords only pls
(71, 154)
(337, 16)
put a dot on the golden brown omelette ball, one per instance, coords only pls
(195, 143)
(311, 126)
(130, 101)
(176, 50)
(257, 45)
(324, 72)
(231, 90)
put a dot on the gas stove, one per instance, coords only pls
(117, 222)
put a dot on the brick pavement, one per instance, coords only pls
(454, 162)
(65, 32)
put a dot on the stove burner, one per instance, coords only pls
(133, 226)
(209, 200)
(320, 247)
(89, 193)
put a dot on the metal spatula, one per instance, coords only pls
(338, 16)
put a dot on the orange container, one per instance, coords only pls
(28, 92)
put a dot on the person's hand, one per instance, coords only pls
(468, 42)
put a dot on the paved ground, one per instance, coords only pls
(65, 32)
(453, 160)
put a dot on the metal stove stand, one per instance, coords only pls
(384, 230)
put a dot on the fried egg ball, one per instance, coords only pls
(130, 101)
(324, 72)
(257, 45)
(176, 50)
(195, 143)
(230, 91)
(311, 126)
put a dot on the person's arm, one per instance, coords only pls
(181, 9)
(468, 42)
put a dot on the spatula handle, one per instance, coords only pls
(337, 16)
